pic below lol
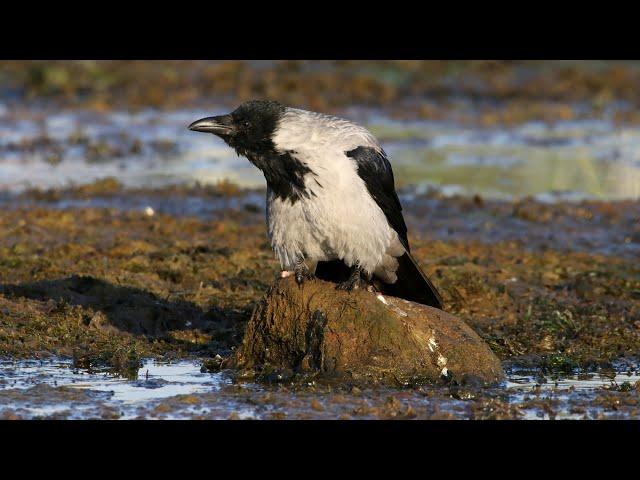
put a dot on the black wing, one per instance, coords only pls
(375, 170)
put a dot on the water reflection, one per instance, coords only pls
(589, 158)
(41, 389)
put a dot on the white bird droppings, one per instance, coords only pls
(402, 313)
(393, 307)
(441, 361)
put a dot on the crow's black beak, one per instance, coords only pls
(221, 125)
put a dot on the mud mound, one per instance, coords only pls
(358, 335)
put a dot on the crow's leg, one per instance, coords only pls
(302, 272)
(355, 280)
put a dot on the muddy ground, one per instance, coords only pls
(104, 276)
(489, 92)
(553, 286)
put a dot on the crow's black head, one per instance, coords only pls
(248, 129)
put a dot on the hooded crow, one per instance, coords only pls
(332, 208)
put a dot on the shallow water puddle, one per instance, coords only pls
(155, 380)
(566, 160)
(574, 382)
(572, 396)
(24, 386)
(53, 389)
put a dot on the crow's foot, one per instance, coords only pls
(302, 272)
(354, 282)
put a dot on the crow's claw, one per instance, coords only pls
(354, 282)
(302, 273)
(301, 278)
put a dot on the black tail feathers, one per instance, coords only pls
(412, 283)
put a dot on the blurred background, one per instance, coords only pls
(500, 129)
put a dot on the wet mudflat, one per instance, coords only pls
(133, 277)
(53, 389)
(132, 253)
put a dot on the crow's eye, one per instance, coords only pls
(246, 124)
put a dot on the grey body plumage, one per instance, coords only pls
(331, 200)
